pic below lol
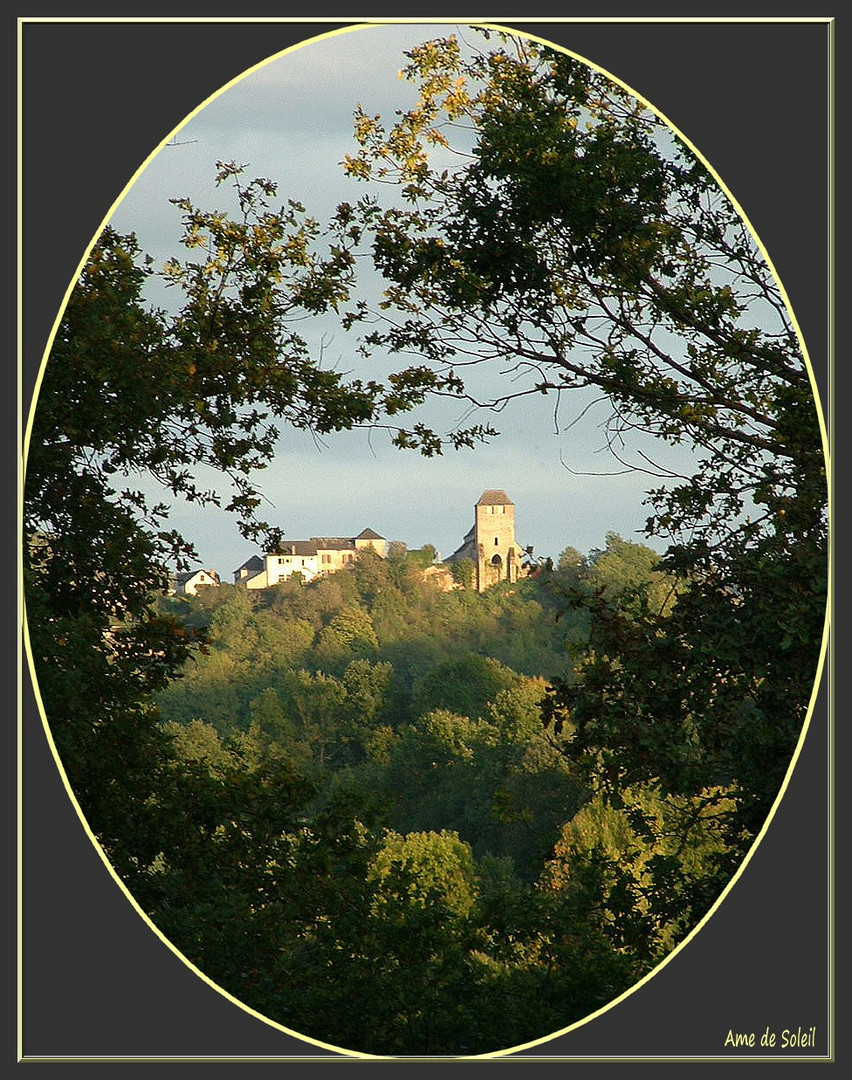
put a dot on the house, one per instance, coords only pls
(250, 568)
(317, 557)
(187, 583)
(490, 544)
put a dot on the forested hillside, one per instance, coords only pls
(379, 681)
(360, 802)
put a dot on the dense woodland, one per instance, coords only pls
(372, 810)
(394, 818)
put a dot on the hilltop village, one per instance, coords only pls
(490, 545)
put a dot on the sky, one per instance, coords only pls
(290, 120)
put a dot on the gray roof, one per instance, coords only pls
(494, 497)
(466, 551)
(254, 563)
(314, 545)
(332, 543)
(296, 547)
(187, 575)
(369, 534)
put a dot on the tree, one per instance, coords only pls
(133, 399)
(624, 565)
(464, 572)
(349, 635)
(427, 870)
(423, 557)
(372, 574)
(425, 889)
(638, 876)
(554, 235)
(581, 244)
(464, 685)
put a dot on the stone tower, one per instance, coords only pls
(498, 557)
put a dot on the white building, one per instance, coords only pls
(188, 582)
(317, 557)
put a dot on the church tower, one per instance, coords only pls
(497, 555)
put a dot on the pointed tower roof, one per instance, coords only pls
(494, 497)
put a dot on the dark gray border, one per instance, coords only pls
(96, 98)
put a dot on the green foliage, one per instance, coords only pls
(464, 572)
(422, 557)
(570, 564)
(343, 792)
(624, 566)
(197, 743)
(440, 864)
(372, 575)
(537, 792)
(132, 398)
(432, 871)
(576, 243)
(661, 862)
(516, 710)
(464, 685)
(349, 633)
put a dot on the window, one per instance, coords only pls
(496, 540)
